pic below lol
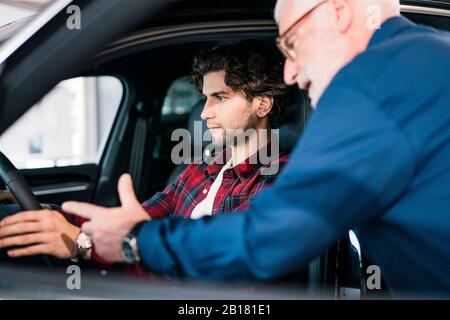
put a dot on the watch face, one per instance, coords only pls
(128, 251)
(84, 241)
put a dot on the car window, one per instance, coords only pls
(180, 98)
(68, 126)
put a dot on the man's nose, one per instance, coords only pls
(207, 112)
(290, 72)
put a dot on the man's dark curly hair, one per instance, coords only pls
(250, 67)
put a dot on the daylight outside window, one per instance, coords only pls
(66, 127)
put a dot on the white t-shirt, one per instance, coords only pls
(205, 207)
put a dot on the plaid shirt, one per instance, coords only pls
(240, 185)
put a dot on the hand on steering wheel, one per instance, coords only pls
(18, 186)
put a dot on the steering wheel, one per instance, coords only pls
(20, 189)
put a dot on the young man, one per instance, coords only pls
(245, 96)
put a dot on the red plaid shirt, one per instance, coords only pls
(240, 185)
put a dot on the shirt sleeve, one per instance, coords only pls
(352, 163)
(162, 203)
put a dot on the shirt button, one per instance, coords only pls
(205, 191)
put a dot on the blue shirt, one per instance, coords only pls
(375, 157)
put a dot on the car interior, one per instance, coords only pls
(153, 65)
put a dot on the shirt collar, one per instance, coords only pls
(389, 29)
(243, 170)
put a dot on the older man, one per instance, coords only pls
(375, 157)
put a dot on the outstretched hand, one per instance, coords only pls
(109, 226)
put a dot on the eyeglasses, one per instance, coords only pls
(286, 47)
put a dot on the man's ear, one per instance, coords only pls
(343, 14)
(263, 106)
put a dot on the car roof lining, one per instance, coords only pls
(152, 69)
(149, 57)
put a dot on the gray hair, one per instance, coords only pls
(391, 7)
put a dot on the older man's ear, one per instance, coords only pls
(343, 14)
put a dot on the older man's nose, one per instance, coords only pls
(290, 72)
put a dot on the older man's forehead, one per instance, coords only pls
(288, 11)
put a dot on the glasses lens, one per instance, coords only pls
(284, 50)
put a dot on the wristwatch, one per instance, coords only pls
(84, 244)
(130, 245)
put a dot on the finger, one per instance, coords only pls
(24, 240)
(30, 251)
(88, 228)
(82, 209)
(126, 191)
(23, 216)
(20, 228)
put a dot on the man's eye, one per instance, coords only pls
(289, 42)
(220, 98)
